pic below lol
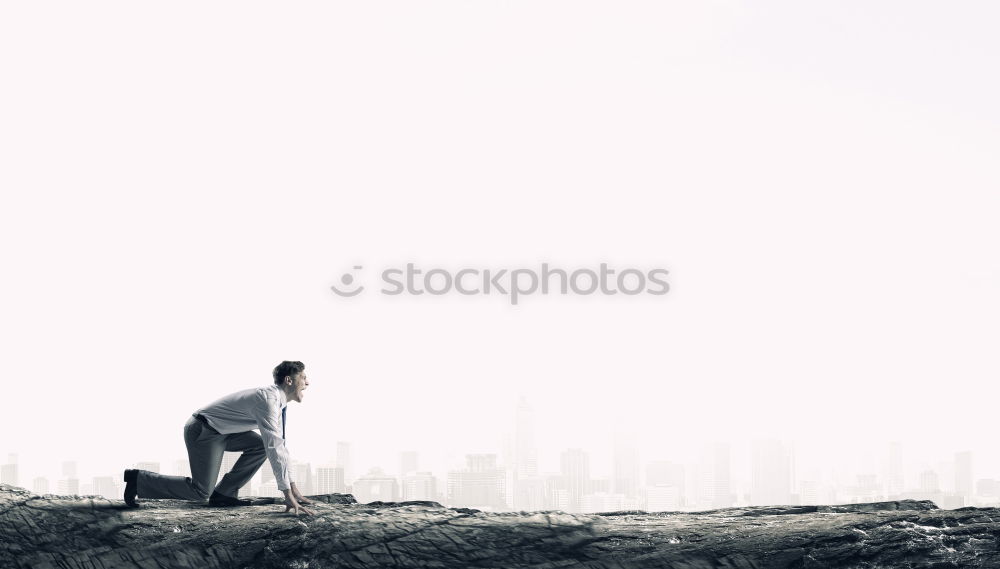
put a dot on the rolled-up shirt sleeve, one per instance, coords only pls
(267, 411)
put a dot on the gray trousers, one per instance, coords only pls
(205, 447)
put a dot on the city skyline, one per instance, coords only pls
(724, 474)
(658, 485)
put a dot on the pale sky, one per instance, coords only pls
(183, 182)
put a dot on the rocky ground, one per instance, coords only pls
(74, 532)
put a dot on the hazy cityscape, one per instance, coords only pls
(512, 480)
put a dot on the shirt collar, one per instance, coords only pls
(281, 394)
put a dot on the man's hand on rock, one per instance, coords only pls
(292, 504)
(298, 495)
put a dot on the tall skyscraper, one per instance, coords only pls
(963, 474)
(302, 476)
(575, 469)
(526, 487)
(69, 484)
(895, 469)
(715, 476)
(929, 481)
(525, 453)
(343, 460)
(408, 463)
(626, 466)
(772, 474)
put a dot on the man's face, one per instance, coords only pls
(295, 385)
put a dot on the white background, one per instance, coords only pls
(183, 181)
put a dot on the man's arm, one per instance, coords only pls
(268, 415)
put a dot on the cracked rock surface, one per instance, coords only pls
(74, 532)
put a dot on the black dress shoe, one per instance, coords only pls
(131, 487)
(222, 500)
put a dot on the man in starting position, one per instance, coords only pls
(227, 425)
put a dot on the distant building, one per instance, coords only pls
(481, 485)
(929, 481)
(105, 486)
(409, 462)
(575, 469)
(8, 471)
(664, 498)
(330, 480)
(988, 488)
(664, 472)
(895, 468)
(866, 489)
(661, 476)
(530, 494)
(343, 460)
(963, 474)
(525, 453)
(302, 476)
(228, 462)
(598, 485)
(68, 486)
(952, 501)
(556, 493)
(714, 488)
(270, 489)
(772, 474)
(626, 466)
(420, 486)
(811, 493)
(375, 486)
(40, 485)
(523, 477)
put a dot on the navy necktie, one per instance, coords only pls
(283, 409)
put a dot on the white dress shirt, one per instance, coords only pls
(256, 408)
